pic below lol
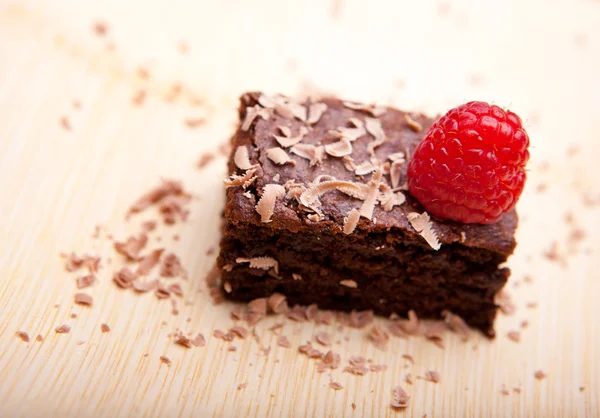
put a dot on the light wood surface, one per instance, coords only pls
(541, 58)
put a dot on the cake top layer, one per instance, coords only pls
(338, 167)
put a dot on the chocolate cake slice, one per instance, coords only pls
(317, 209)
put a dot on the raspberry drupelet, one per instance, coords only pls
(470, 167)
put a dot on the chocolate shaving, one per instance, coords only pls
(456, 324)
(244, 180)
(349, 283)
(432, 376)
(413, 124)
(279, 156)
(514, 336)
(350, 134)
(239, 331)
(412, 325)
(85, 281)
(339, 149)
(504, 301)
(310, 196)
(263, 263)
(283, 341)
(83, 299)
(241, 158)
(378, 337)
(364, 168)
(287, 141)
(144, 286)
(372, 109)
(162, 292)
(148, 262)
(65, 124)
(315, 111)
(423, 225)
(175, 289)
(132, 247)
(205, 159)
(182, 340)
(374, 127)
(350, 223)
(395, 172)
(195, 122)
(323, 338)
(74, 263)
(254, 112)
(399, 398)
(278, 303)
(199, 341)
(396, 156)
(167, 188)
(258, 306)
(366, 210)
(360, 319)
(310, 152)
(335, 386)
(397, 330)
(63, 329)
(297, 313)
(389, 200)
(171, 266)
(124, 277)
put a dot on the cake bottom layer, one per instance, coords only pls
(427, 295)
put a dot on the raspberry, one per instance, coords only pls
(471, 165)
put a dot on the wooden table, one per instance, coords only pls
(76, 150)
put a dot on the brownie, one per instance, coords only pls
(317, 209)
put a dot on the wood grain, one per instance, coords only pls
(540, 58)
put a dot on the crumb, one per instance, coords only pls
(80, 342)
(83, 299)
(143, 73)
(335, 386)
(100, 28)
(76, 104)
(39, 338)
(242, 386)
(532, 305)
(399, 398)
(73, 315)
(165, 360)
(64, 122)
(195, 122)
(432, 376)
(139, 97)
(517, 390)
(524, 324)
(183, 47)
(23, 336)
(353, 405)
(581, 388)
(104, 328)
(63, 329)
(540, 374)
(514, 336)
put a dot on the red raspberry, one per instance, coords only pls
(471, 165)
